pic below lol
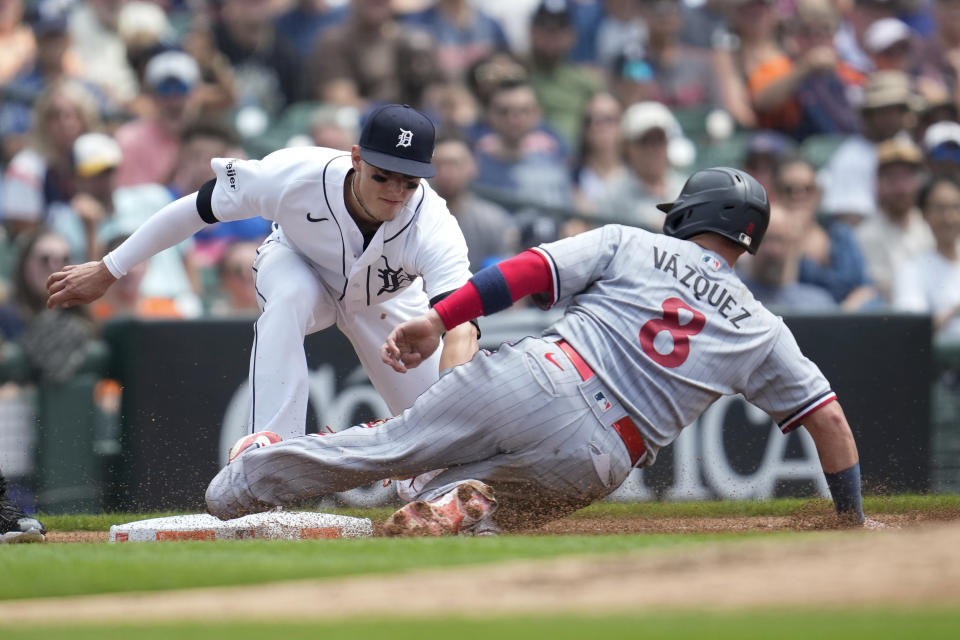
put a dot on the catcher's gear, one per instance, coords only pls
(722, 200)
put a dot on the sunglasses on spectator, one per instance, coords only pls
(52, 260)
(796, 190)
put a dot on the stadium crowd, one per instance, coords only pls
(553, 116)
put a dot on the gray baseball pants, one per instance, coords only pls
(520, 419)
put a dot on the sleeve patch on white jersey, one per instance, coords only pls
(796, 419)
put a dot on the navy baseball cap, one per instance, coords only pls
(398, 138)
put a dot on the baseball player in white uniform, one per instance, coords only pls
(656, 328)
(359, 240)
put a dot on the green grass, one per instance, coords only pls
(74, 569)
(867, 624)
(714, 508)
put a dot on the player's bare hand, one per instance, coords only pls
(412, 342)
(78, 284)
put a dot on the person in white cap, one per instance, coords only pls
(889, 43)
(941, 145)
(655, 149)
(105, 211)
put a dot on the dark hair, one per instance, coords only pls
(923, 196)
(487, 74)
(452, 134)
(28, 301)
(207, 128)
(791, 158)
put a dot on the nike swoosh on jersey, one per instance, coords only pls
(549, 356)
(312, 219)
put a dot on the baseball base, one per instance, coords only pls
(270, 525)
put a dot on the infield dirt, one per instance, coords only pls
(910, 563)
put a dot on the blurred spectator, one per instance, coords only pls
(600, 162)
(236, 278)
(763, 154)
(704, 22)
(667, 71)
(266, 68)
(215, 94)
(889, 42)
(16, 41)
(334, 127)
(39, 182)
(303, 23)
(940, 59)
(517, 158)
(941, 144)
(125, 297)
(341, 72)
(853, 19)
(930, 281)
(41, 252)
(150, 143)
(497, 69)
(490, 233)
(898, 231)
(649, 130)
(587, 16)
(463, 34)
(93, 29)
(831, 258)
(54, 341)
(850, 174)
(452, 103)
(108, 211)
(933, 106)
(809, 90)
(745, 56)
(772, 275)
(621, 29)
(55, 57)
(562, 88)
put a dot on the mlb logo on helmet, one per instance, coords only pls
(398, 138)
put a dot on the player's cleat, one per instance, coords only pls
(460, 510)
(16, 526)
(252, 441)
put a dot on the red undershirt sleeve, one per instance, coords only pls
(496, 288)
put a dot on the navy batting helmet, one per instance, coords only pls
(722, 200)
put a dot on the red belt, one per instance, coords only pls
(624, 426)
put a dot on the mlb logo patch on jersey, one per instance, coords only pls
(602, 401)
(710, 262)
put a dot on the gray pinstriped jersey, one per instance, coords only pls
(669, 328)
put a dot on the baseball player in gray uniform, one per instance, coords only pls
(359, 240)
(656, 328)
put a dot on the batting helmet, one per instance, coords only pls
(722, 200)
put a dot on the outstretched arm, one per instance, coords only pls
(838, 456)
(82, 284)
(491, 290)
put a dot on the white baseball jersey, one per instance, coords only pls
(669, 328)
(301, 189)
